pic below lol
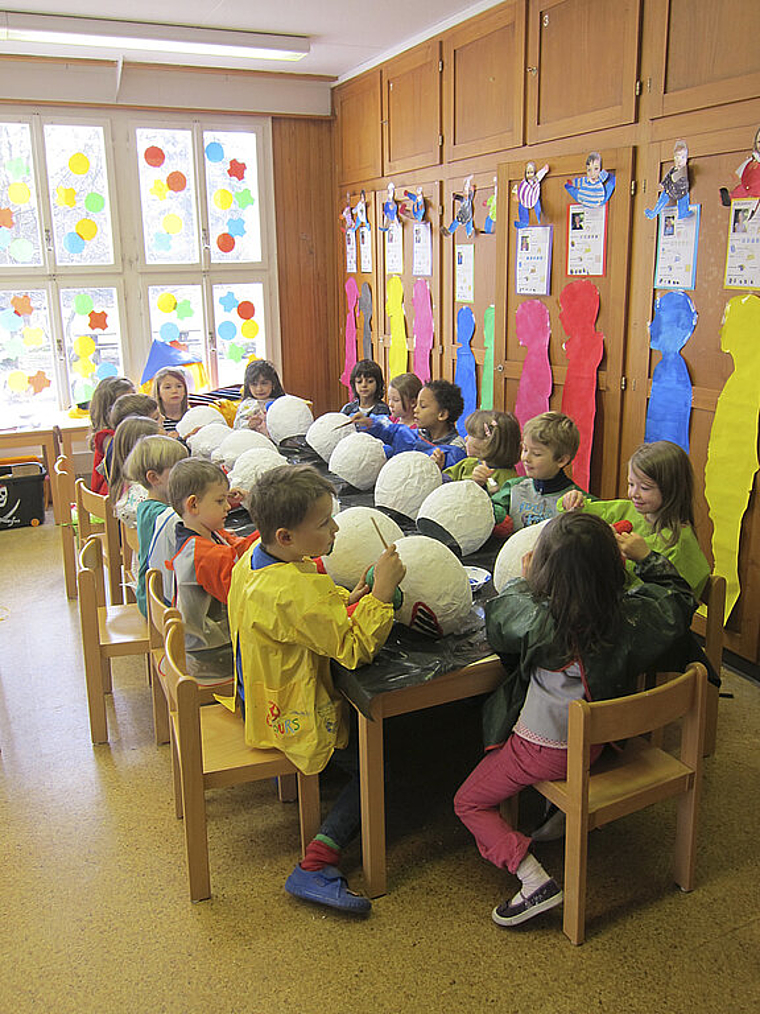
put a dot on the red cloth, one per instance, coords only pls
(98, 482)
(318, 855)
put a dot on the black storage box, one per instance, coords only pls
(22, 495)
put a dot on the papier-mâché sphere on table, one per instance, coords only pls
(194, 418)
(326, 432)
(288, 416)
(458, 511)
(251, 465)
(357, 544)
(237, 443)
(358, 460)
(203, 443)
(509, 561)
(404, 482)
(436, 589)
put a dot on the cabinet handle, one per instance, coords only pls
(532, 70)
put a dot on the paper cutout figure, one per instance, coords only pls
(669, 406)
(365, 309)
(533, 331)
(732, 451)
(352, 297)
(394, 307)
(528, 194)
(465, 213)
(39, 381)
(749, 177)
(596, 187)
(674, 185)
(423, 329)
(360, 213)
(584, 348)
(486, 384)
(464, 374)
(390, 209)
(489, 226)
(347, 217)
(418, 203)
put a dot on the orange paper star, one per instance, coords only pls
(236, 169)
(6, 218)
(98, 320)
(22, 305)
(39, 381)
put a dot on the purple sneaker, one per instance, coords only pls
(327, 886)
(512, 913)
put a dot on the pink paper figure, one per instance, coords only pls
(533, 330)
(352, 298)
(584, 348)
(423, 329)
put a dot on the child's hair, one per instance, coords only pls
(128, 432)
(578, 570)
(262, 369)
(132, 404)
(176, 374)
(192, 477)
(556, 431)
(501, 431)
(368, 368)
(284, 496)
(408, 386)
(448, 396)
(668, 466)
(103, 397)
(153, 454)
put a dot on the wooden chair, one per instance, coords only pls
(212, 753)
(714, 599)
(130, 555)
(641, 774)
(65, 493)
(95, 517)
(108, 631)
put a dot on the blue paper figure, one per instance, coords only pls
(674, 185)
(360, 214)
(464, 375)
(390, 209)
(669, 407)
(596, 187)
(418, 203)
(465, 213)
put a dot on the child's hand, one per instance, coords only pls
(235, 497)
(573, 501)
(361, 589)
(389, 573)
(526, 561)
(439, 457)
(256, 420)
(632, 546)
(481, 473)
(360, 420)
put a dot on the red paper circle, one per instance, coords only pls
(225, 242)
(245, 310)
(154, 156)
(176, 181)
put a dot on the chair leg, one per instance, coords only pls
(96, 701)
(309, 807)
(576, 855)
(711, 719)
(107, 678)
(176, 775)
(687, 814)
(160, 712)
(287, 788)
(69, 561)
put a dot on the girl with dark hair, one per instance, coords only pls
(261, 386)
(567, 630)
(368, 388)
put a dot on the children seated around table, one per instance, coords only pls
(124, 494)
(150, 464)
(550, 441)
(367, 387)
(439, 405)
(287, 622)
(170, 392)
(493, 447)
(205, 554)
(261, 385)
(103, 398)
(403, 392)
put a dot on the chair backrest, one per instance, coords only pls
(714, 597)
(181, 689)
(90, 569)
(160, 615)
(64, 486)
(94, 511)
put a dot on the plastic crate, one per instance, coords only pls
(22, 495)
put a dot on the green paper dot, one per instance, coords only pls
(184, 309)
(83, 304)
(14, 348)
(21, 250)
(94, 202)
(17, 168)
(235, 352)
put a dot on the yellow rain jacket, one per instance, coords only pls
(287, 621)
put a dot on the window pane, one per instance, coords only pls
(167, 193)
(240, 332)
(78, 184)
(92, 338)
(176, 315)
(232, 194)
(19, 218)
(27, 372)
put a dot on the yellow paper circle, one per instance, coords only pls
(172, 224)
(33, 336)
(84, 367)
(65, 197)
(19, 193)
(18, 381)
(79, 164)
(84, 345)
(223, 199)
(166, 302)
(86, 228)
(249, 329)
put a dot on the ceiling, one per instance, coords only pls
(346, 35)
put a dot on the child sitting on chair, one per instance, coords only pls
(493, 447)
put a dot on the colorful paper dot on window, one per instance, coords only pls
(39, 381)
(223, 199)
(227, 330)
(228, 302)
(168, 332)
(159, 190)
(236, 169)
(84, 345)
(249, 329)
(17, 381)
(83, 303)
(94, 202)
(245, 309)
(172, 224)
(86, 228)
(10, 320)
(19, 193)
(154, 156)
(106, 370)
(79, 164)
(176, 182)
(6, 218)
(65, 197)
(184, 309)
(214, 152)
(21, 250)
(73, 243)
(225, 242)
(33, 337)
(22, 305)
(166, 302)
(99, 321)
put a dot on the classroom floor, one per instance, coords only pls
(96, 915)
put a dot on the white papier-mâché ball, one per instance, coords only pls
(436, 589)
(463, 510)
(509, 561)
(196, 417)
(288, 417)
(237, 443)
(405, 481)
(358, 460)
(357, 544)
(326, 433)
(203, 443)
(251, 465)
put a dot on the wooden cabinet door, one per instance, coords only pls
(709, 54)
(359, 144)
(483, 83)
(582, 66)
(412, 110)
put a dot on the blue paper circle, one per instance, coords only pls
(5, 238)
(73, 242)
(169, 332)
(106, 370)
(227, 330)
(214, 152)
(10, 320)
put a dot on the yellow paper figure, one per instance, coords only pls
(732, 452)
(398, 354)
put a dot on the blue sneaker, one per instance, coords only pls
(520, 909)
(327, 886)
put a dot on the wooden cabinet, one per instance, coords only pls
(412, 110)
(483, 83)
(582, 66)
(357, 108)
